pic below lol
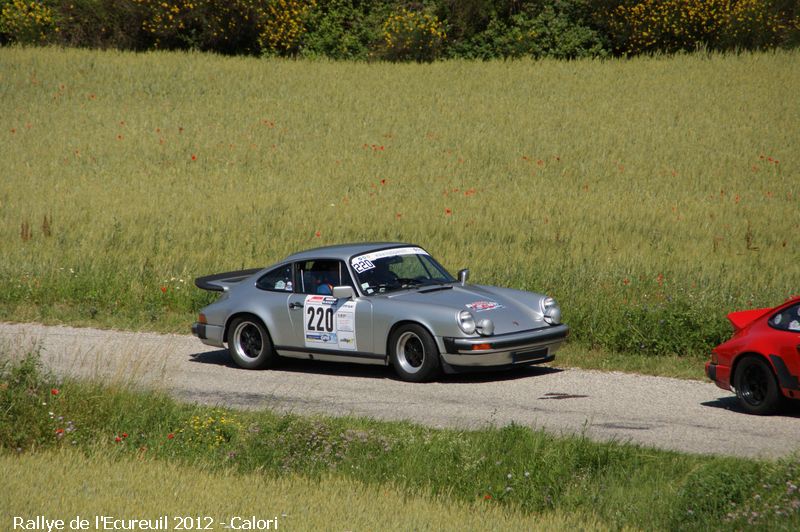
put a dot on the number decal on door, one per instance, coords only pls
(324, 319)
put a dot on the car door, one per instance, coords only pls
(323, 323)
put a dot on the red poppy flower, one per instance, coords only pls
(170, 436)
(194, 157)
(448, 212)
(117, 439)
(124, 434)
(54, 391)
(487, 497)
(163, 289)
(317, 234)
(383, 181)
(59, 431)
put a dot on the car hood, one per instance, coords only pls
(509, 310)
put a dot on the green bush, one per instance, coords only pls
(401, 31)
(550, 32)
(344, 29)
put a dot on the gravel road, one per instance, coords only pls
(686, 416)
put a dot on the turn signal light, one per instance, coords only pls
(202, 318)
(481, 347)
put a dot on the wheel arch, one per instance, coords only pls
(752, 354)
(401, 323)
(244, 314)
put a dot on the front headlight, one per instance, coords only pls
(551, 311)
(466, 321)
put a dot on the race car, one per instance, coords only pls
(386, 303)
(762, 360)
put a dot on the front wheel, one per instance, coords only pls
(756, 386)
(414, 354)
(249, 343)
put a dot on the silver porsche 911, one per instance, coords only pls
(377, 303)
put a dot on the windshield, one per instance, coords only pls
(396, 269)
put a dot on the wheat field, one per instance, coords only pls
(648, 195)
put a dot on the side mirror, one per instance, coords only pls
(343, 292)
(463, 275)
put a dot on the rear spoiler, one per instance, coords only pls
(743, 318)
(220, 282)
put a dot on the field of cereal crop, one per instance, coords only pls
(650, 196)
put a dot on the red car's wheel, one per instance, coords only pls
(756, 386)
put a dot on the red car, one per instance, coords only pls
(762, 360)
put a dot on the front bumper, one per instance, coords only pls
(515, 349)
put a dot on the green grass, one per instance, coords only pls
(513, 470)
(649, 196)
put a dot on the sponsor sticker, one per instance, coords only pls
(480, 306)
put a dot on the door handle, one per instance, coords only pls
(293, 306)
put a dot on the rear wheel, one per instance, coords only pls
(249, 343)
(756, 386)
(414, 354)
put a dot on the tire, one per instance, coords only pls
(249, 343)
(756, 386)
(414, 354)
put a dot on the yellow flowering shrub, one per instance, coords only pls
(413, 35)
(27, 22)
(672, 25)
(283, 24)
(227, 26)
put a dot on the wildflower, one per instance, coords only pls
(194, 157)
(170, 436)
(124, 434)
(383, 181)
(117, 439)
(448, 212)
(317, 234)
(54, 391)
(59, 432)
(487, 497)
(163, 289)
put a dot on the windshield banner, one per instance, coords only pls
(363, 263)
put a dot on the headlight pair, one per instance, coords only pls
(551, 311)
(468, 324)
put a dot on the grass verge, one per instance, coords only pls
(515, 468)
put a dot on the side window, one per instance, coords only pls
(277, 280)
(787, 319)
(320, 276)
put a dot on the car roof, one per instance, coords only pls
(344, 251)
